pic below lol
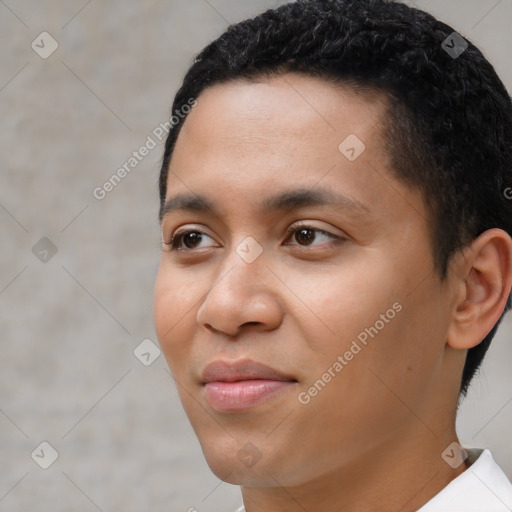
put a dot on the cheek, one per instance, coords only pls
(172, 311)
(378, 312)
(340, 300)
(403, 358)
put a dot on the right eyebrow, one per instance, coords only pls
(186, 202)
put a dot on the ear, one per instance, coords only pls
(483, 283)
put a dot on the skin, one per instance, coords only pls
(372, 438)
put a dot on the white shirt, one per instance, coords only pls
(483, 487)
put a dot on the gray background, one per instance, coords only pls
(69, 326)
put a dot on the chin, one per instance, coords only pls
(238, 463)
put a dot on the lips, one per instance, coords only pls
(246, 369)
(240, 385)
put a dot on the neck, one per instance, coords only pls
(402, 476)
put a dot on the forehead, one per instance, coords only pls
(247, 140)
(274, 111)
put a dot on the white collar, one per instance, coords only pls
(483, 487)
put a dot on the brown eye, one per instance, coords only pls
(189, 240)
(305, 236)
(310, 237)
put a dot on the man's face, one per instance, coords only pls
(339, 299)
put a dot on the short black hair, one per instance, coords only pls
(448, 124)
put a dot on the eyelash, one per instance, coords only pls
(178, 236)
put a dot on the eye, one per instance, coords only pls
(306, 235)
(188, 240)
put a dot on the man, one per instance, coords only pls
(337, 257)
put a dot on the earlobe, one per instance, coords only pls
(487, 267)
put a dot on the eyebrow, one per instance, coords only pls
(288, 200)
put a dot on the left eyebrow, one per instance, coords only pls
(288, 200)
(301, 197)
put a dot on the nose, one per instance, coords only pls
(244, 294)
